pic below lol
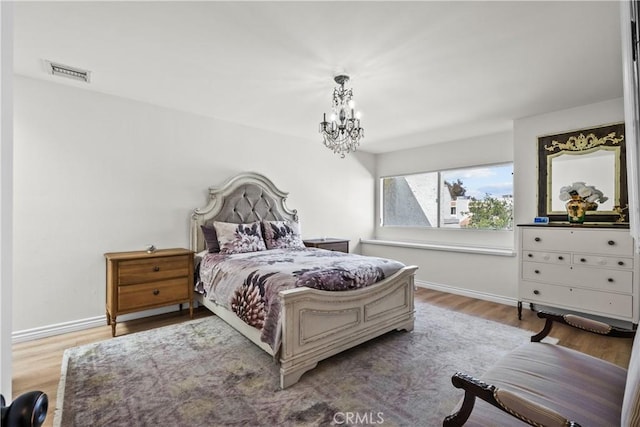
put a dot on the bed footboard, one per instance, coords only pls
(318, 324)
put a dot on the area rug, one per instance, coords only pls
(204, 373)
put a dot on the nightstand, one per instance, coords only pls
(141, 280)
(340, 245)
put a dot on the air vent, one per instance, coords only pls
(66, 71)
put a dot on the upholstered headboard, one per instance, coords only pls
(246, 197)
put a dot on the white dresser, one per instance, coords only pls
(579, 268)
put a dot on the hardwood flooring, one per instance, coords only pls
(36, 364)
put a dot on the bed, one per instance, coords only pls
(313, 324)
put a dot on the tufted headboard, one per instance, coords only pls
(246, 197)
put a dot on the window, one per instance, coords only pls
(478, 197)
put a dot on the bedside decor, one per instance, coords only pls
(343, 133)
(576, 208)
(581, 198)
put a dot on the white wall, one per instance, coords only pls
(96, 173)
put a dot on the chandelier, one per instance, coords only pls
(343, 133)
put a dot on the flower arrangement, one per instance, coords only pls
(588, 193)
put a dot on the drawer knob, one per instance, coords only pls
(156, 291)
(536, 292)
(537, 239)
(530, 255)
(560, 257)
(610, 280)
(156, 268)
(583, 260)
(536, 271)
(611, 242)
(620, 262)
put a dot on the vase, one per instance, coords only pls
(576, 210)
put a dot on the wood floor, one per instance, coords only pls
(36, 364)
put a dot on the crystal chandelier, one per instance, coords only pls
(343, 133)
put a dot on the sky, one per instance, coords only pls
(496, 180)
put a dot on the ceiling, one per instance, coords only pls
(421, 72)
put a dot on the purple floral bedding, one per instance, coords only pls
(248, 283)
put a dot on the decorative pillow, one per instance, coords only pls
(282, 235)
(239, 238)
(210, 238)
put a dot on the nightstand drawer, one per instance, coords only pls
(154, 293)
(330, 244)
(340, 247)
(146, 270)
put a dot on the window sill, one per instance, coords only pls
(442, 247)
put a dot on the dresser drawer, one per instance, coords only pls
(578, 276)
(131, 297)
(152, 269)
(548, 257)
(602, 261)
(605, 242)
(607, 304)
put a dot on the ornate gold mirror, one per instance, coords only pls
(591, 162)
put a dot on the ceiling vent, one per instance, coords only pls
(66, 71)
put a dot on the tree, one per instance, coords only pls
(455, 189)
(490, 212)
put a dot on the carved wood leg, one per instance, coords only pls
(289, 377)
(519, 310)
(108, 319)
(544, 332)
(113, 326)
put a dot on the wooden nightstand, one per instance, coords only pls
(140, 280)
(340, 245)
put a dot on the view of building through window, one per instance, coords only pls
(476, 197)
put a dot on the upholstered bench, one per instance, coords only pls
(549, 385)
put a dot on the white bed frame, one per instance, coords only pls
(315, 324)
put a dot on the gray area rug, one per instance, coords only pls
(204, 373)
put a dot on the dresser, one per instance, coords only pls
(331, 244)
(140, 280)
(591, 270)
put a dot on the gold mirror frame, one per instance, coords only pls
(578, 143)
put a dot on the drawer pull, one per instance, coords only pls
(620, 262)
(610, 280)
(536, 292)
(156, 292)
(611, 242)
(530, 255)
(537, 239)
(156, 268)
(560, 257)
(536, 271)
(583, 260)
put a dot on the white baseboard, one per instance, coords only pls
(81, 324)
(468, 293)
